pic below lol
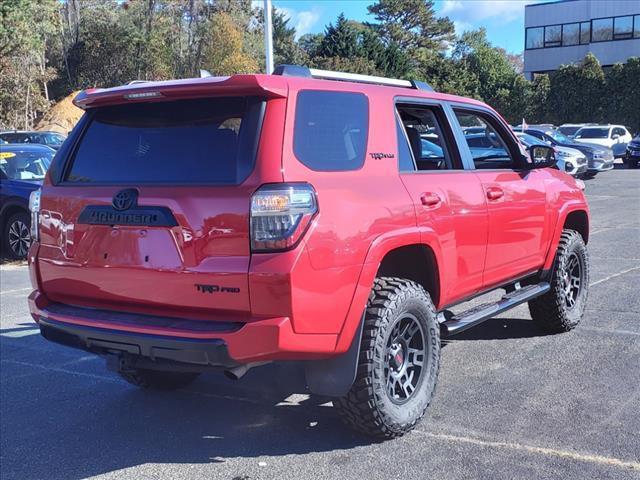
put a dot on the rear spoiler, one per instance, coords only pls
(264, 85)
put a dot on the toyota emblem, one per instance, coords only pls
(125, 199)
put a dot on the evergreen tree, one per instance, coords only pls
(412, 25)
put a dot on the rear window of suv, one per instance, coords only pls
(200, 141)
(331, 128)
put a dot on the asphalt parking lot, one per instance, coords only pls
(512, 403)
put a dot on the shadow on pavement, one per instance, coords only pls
(501, 329)
(65, 416)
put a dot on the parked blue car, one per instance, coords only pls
(22, 169)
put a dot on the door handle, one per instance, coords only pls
(494, 193)
(429, 199)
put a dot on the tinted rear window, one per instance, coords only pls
(202, 141)
(593, 133)
(331, 129)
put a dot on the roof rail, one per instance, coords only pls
(301, 71)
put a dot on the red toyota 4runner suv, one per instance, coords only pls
(309, 216)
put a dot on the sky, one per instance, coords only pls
(503, 19)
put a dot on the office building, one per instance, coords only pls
(563, 32)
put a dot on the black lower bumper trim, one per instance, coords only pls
(205, 353)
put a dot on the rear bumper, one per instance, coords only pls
(101, 341)
(195, 342)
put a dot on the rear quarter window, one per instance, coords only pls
(331, 128)
(201, 141)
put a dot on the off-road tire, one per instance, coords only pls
(368, 407)
(157, 379)
(550, 311)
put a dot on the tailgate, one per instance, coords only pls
(151, 212)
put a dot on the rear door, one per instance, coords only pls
(449, 200)
(515, 197)
(150, 208)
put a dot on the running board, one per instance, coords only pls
(478, 314)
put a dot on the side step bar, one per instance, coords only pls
(480, 313)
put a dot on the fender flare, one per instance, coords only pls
(379, 248)
(563, 214)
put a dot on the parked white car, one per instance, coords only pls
(569, 160)
(606, 135)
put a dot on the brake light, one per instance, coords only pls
(34, 208)
(280, 215)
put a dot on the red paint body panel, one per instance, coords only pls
(483, 227)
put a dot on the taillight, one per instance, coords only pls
(34, 208)
(280, 215)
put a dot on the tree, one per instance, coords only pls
(285, 48)
(622, 103)
(538, 110)
(576, 92)
(26, 31)
(105, 54)
(491, 66)
(223, 53)
(340, 40)
(311, 44)
(412, 25)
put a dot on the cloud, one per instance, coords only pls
(303, 20)
(467, 13)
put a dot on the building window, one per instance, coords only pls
(602, 29)
(636, 26)
(585, 33)
(622, 28)
(570, 34)
(535, 37)
(553, 36)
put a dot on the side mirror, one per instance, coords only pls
(615, 136)
(541, 156)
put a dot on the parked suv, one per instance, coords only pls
(632, 155)
(606, 135)
(298, 220)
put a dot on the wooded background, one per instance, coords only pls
(49, 48)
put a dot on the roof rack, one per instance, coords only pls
(301, 71)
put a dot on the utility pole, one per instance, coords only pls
(268, 36)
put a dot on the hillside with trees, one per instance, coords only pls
(50, 48)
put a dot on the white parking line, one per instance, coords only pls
(60, 370)
(614, 275)
(583, 457)
(16, 290)
(608, 330)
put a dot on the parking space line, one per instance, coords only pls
(609, 330)
(59, 370)
(614, 275)
(625, 226)
(583, 457)
(16, 290)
